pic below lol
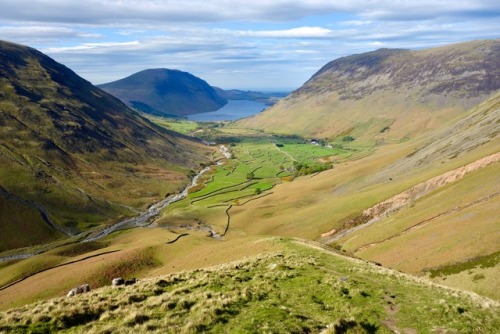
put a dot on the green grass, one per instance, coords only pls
(256, 166)
(487, 261)
(301, 289)
(182, 126)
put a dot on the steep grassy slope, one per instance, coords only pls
(166, 93)
(388, 94)
(72, 156)
(430, 177)
(301, 288)
(459, 206)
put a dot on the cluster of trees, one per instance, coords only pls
(348, 138)
(304, 169)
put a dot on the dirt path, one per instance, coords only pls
(395, 203)
(427, 221)
(41, 210)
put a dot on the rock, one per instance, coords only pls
(78, 290)
(117, 281)
(85, 288)
(72, 292)
(130, 281)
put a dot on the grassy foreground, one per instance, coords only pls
(303, 289)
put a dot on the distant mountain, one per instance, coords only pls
(165, 92)
(266, 98)
(72, 156)
(388, 94)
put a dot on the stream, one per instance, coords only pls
(142, 219)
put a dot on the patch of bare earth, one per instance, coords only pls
(395, 203)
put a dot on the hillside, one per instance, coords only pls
(165, 92)
(387, 94)
(73, 157)
(431, 202)
(300, 288)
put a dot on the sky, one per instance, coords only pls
(263, 45)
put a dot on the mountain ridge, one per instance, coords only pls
(403, 92)
(69, 148)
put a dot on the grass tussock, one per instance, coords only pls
(302, 290)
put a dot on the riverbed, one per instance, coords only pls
(142, 220)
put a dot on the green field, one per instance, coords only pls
(257, 164)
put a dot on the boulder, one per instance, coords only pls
(117, 281)
(130, 281)
(78, 290)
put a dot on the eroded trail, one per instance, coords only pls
(428, 221)
(395, 203)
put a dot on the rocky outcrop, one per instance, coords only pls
(395, 203)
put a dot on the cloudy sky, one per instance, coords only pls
(246, 44)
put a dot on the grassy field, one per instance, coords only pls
(129, 253)
(267, 293)
(182, 126)
(256, 166)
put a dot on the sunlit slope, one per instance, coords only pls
(450, 179)
(73, 156)
(298, 287)
(387, 94)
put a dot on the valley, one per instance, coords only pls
(385, 199)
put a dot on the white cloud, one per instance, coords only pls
(43, 32)
(301, 32)
(141, 11)
(95, 47)
(235, 43)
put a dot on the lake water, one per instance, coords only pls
(232, 111)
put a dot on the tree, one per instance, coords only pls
(348, 138)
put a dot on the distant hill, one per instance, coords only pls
(165, 92)
(388, 94)
(73, 157)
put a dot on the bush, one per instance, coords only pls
(348, 138)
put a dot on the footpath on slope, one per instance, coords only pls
(397, 202)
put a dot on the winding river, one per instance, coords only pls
(142, 219)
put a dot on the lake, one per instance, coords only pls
(232, 111)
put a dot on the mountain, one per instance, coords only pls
(165, 92)
(73, 157)
(270, 292)
(387, 94)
